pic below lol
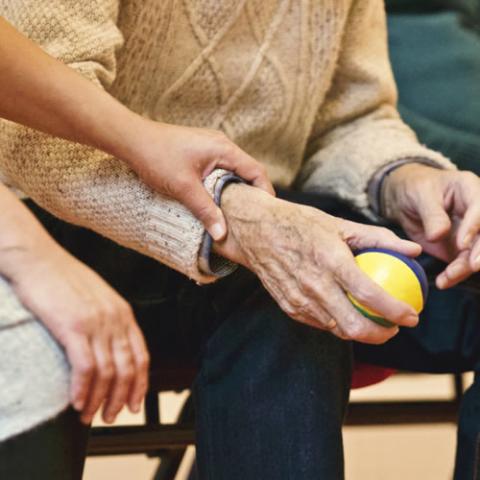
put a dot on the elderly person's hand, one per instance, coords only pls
(304, 259)
(103, 343)
(439, 209)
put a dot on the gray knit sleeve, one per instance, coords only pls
(34, 373)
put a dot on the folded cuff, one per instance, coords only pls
(377, 181)
(209, 262)
(179, 240)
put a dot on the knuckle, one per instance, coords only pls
(85, 368)
(296, 300)
(354, 331)
(338, 259)
(364, 294)
(109, 311)
(227, 147)
(288, 309)
(106, 372)
(179, 184)
(307, 283)
(222, 139)
(261, 168)
(468, 176)
(81, 320)
(126, 373)
(205, 212)
(343, 269)
(143, 361)
(386, 233)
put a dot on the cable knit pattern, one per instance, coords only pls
(303, 86)
(34, 373)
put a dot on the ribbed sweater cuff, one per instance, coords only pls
(209, 262)
(175, 237)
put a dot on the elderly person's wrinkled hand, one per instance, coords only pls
(439, 209)
(304, 258)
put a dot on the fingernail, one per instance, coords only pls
(412, 319)
(78, 405)
(136, 407)
(217, 231)
(441, 282)
(109, 419)
(467, 241)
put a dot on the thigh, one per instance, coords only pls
(270, 397)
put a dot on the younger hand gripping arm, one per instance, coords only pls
(41, 92)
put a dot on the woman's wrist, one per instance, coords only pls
(130, 139)
(23, 240)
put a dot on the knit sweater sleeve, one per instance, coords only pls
(358, 130)
(79, 184)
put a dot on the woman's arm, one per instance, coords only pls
(95, 326)
(41, 92)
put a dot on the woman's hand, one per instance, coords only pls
(304, 259)
(174, 160)
(104, 345)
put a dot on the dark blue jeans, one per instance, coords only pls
(271, 394)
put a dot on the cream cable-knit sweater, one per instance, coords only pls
(302, 85)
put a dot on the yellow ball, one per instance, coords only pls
(401, 277)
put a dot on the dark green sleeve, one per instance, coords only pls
(418, 6)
